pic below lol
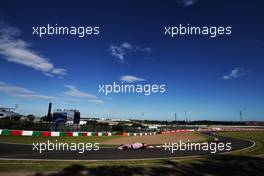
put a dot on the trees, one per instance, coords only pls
(46, 119)
(31, 117)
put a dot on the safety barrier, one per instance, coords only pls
(7, 132)
(175, 131)
(138, 134)
(53, 133)
(231, 129)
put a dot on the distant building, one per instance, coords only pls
(8, 112)
(66, 116)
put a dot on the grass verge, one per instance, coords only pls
(216, 165)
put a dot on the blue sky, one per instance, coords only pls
(210, 78)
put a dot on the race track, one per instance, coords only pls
(16, 151)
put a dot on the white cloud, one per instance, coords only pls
(235, 73)
(126, 45)
(18, 51)
(21, 92)
(34, 96)
(130, 78)
(96, 101)
(117, 52)
(68, 99)
(187, 2)
(9, 89)
(74, 92)
(120, 51)
(147, 49)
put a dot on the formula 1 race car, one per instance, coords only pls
(133, 146)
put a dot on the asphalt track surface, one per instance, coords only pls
(16, 151)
